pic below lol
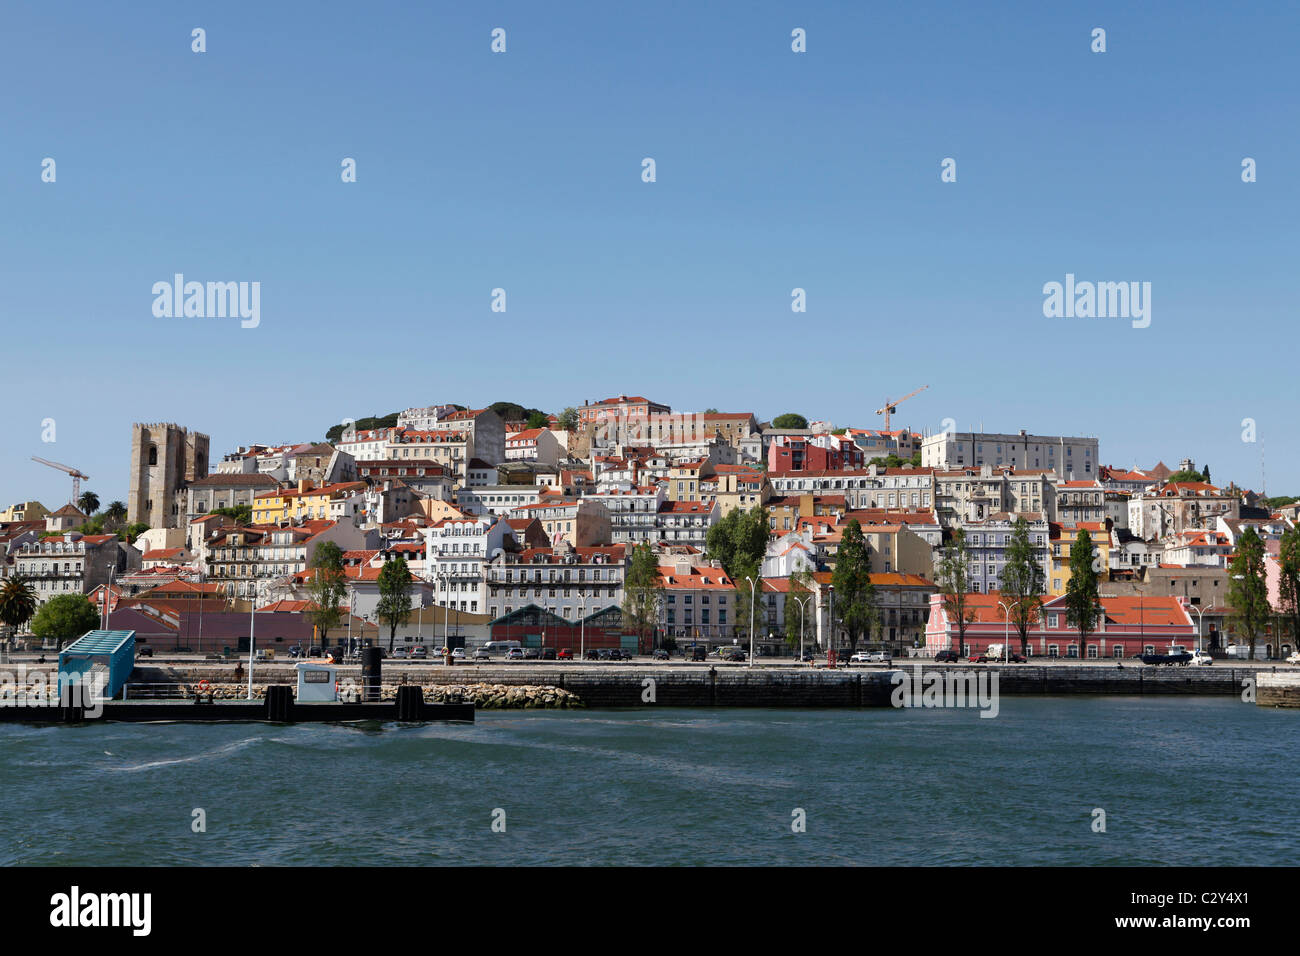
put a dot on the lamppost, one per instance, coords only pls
(1200, 613)
(830, 639)
(582, 627)
(446, 606)
(1006, 632)
(803, 604)
(252, 606)
(753, 592)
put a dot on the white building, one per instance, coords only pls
(1070, 458)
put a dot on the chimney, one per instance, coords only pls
(303, 484)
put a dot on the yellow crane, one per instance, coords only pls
(76, 477)
(892, 406)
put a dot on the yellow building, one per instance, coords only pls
(26, 511)
(305, 501)
(1058, 577)
(684, 479)
(739, 486)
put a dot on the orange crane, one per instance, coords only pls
(891, 407)
(76, 476)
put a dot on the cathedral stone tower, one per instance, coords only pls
(164, 459)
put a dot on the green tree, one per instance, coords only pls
(1023, 582)
(710, 411)
(739, 541)
(133, 531)
(17, 602)
(790, 420)
(643, 593)
(88, 502)
(952, 575)
(326, 587)
(539, 420)
(800, 608)
(1082, 605)
(855, 595)
(568, 419)
(115, 514)
(335, 432)
(65, 617)
(1248, 588)
(1288, 584)
(241, 514)
(394, 606)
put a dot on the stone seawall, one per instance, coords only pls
(633, 685)
(1281, 689)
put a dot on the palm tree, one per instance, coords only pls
(115, 512)
(17, 602)
(88, 503)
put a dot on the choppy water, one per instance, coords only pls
(1182, 781)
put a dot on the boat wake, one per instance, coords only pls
(214, 754)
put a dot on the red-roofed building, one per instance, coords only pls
(1127, 627)
(533, 444)
(826, 452)
(72, 563)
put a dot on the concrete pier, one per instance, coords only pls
(727, 685)
(1278, 689)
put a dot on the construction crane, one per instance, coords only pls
(891, 407)
(76, 477)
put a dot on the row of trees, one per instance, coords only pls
(327, 589)
(1023, 585)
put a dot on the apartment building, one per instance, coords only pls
(1069, 458)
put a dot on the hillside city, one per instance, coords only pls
(620, 523)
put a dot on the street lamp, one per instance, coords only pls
(252, 606)
(582, 628)
(1200, 613)
(1006, 632)
(753, 592)
(830, 639)
(803, 604)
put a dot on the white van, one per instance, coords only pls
(501, 648)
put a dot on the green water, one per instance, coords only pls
(1181, 781)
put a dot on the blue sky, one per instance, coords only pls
(522, 171)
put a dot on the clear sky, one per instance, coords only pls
(775, 170)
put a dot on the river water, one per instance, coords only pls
(1180, 780)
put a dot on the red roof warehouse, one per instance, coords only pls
(1128, 626)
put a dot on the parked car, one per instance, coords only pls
(419, 652)
(618, 654)
(660, 654)
(807, 657)
(399, 653)
(591, 655)
(733, 655)
(1009, 657)
(458, 653)
(699, 653)
(566, 654)
(548, 654)
(870, 657)
(532, 654)
(482, 654)
(144, 652)
(946, 657)
(515, 654)
(1201, 659)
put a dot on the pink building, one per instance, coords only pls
(1128, 626)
